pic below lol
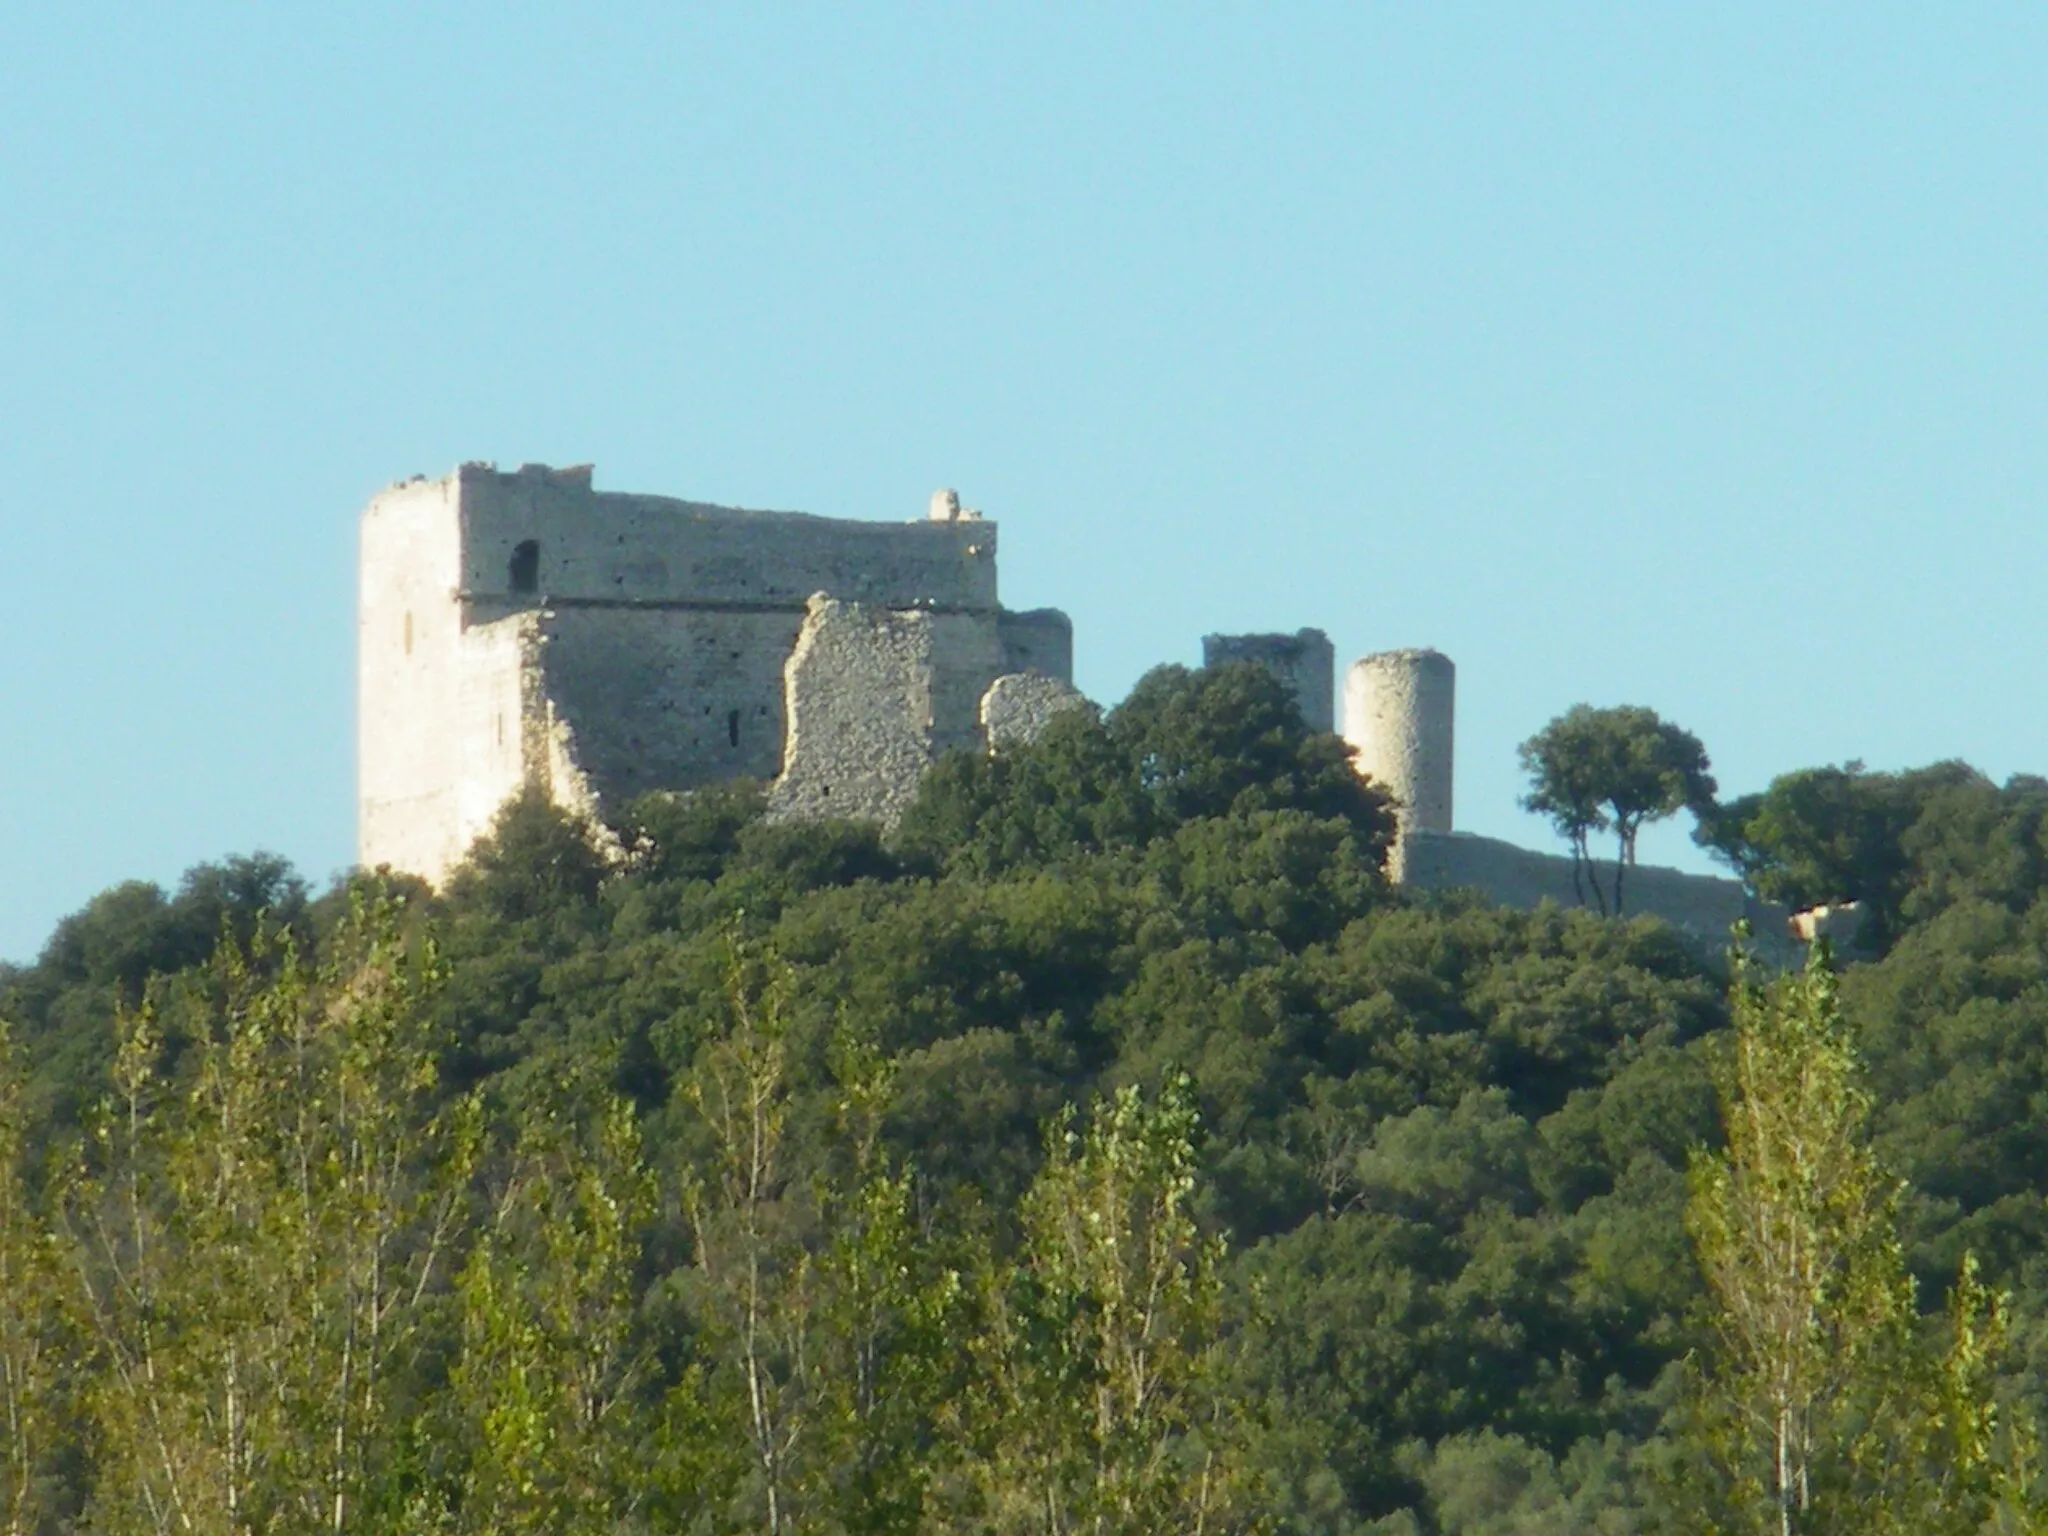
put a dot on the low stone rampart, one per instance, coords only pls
(1704, 907)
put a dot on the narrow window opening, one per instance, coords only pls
(526, 566)
(408, 634)
(501, 730)
(732, 727)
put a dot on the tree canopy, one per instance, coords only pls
(1597, 770)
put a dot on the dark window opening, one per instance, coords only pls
(732, 726)
(526, 566)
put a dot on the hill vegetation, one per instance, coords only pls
(1109, 1150)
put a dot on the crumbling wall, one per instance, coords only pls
(859, 689)
(1018, 707)
(670, 699)
(967, 655)
(1305, 662)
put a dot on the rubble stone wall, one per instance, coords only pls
(860, 714)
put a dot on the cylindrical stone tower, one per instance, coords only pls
(1399, 712)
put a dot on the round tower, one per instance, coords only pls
(1399, 711)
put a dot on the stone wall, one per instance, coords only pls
(1703, 906)
(669, 699)
(1017, 708)
(967, 655)
(606, 547)
(501, 726)
(412, 674)
(860, 714)
(1038, 640)
(1305, 662)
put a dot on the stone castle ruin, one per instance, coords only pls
(525, 632)
(1400, 717)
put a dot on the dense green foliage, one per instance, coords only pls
(751, 1185)
(1906, 845)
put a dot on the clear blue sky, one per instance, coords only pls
(1694, 357)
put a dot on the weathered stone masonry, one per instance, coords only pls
(525, 630)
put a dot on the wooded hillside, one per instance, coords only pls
(1110, 1150)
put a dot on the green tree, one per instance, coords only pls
(1184, 746)
(555, 1394)
(1822, 1406)
(752, 1268)
(1903, 844)
(33, 1363)
(1104, 1405)
(1595, 770)
(888, 1314)
(258, 1235)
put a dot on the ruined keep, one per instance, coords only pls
(525, 631)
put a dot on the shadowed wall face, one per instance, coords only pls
(1304, 662)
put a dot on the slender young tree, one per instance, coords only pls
(1103, 1405)
(1824, 1405)
(888, 1314)
(753, 1270)
(554, 1397)
(33, 1364)
(259, 1237)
